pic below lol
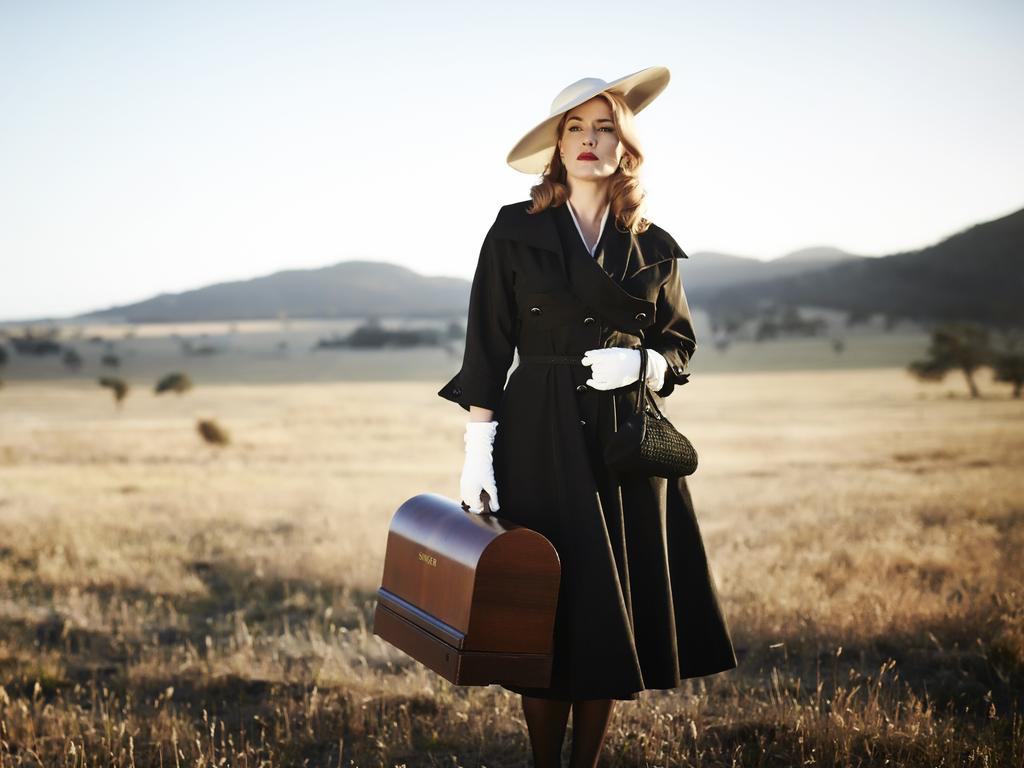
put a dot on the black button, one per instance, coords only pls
(641, 316)
(535, 310)
(583, 422)
(588, 321)
(582, 388)
(457, 391)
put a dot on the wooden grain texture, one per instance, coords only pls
(472, 597)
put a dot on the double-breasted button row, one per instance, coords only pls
(641, 316)
(588, 320)
(582, 388)
(456, 391)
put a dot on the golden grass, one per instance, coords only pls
(166, 602)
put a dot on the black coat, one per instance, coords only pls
(638, 607)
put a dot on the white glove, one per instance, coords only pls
(613, 367)
(478, 469)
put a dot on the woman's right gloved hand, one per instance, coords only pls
(478, 469)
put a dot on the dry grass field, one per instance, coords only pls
(168, 603)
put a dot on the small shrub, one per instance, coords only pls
(174, 382)
(212, 432)
(118, 386)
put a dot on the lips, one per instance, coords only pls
(587, 156)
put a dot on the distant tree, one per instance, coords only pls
(72, 360)
(212, 432)
(733, 323)
(857, 317)
(838, 345)
(955, 346)
(110, 360)
(37, 344)
(1008, 361)
(766, 329)
(1009, 367)
(456, 330)
(3, 355)
(373, 335)
(196, 350)
(173, 382)
(796, 324)
(334, 341)
(119, 387)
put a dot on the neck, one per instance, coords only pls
(589, 199)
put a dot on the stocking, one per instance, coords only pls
(589, 724)
(547, 720)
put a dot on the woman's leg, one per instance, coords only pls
(589, 724)
(546, 719)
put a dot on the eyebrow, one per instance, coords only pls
(599, 120)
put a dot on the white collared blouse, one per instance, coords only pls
(604, 218)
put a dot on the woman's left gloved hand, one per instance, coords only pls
(613, 367)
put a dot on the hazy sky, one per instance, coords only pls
(149, 147)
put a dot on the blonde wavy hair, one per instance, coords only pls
(625, 194)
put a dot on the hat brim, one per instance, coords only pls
(532, 152)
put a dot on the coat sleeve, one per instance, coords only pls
(490, 331)
(672, 331)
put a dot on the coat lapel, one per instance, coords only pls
(597, 280)
(614, 257)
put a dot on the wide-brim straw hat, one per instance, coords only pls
(532, 153)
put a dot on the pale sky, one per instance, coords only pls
(151, 147)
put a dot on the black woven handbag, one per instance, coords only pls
(646, 443)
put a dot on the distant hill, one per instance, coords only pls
(361, 288)
(346, 289)
(706, 272)
(976, 274)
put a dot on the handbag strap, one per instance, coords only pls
(641, 383)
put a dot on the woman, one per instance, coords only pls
(578, 281)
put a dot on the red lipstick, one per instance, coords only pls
(587, 156)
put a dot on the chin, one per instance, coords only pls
(590, 175)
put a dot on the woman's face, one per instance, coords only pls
(589, 144)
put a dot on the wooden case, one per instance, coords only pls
(472, 597)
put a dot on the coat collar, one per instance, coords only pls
(602, 280)
(539, 231)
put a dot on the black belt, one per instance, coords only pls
(551, 359)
